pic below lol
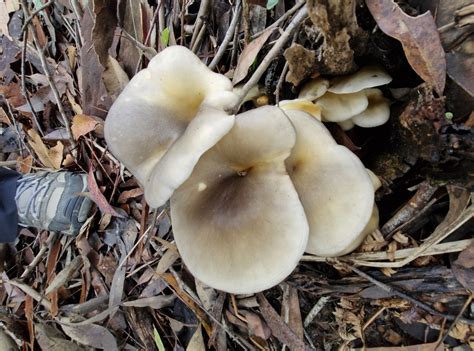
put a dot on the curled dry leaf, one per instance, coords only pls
(248, 56)
(82, 124)
(51, 158)
(419, 37)
(130, 194)
(463, 268)
(96, 195)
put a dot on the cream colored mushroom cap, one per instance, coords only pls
(341, 107)
(238, 222)
(333, 185)
(314, 89)
(366, 77)
(377, 113)
(302, 105)
(166, 118)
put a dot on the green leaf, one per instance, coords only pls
(271, 4)
(158, 341)
(165, 37)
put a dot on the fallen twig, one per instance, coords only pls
(228, 36)
(51, 83)
(365, 258)
(407, 297)
(295, 22)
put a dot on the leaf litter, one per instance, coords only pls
(121, 283)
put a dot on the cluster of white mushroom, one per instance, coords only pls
(249, 193)
(350, 100)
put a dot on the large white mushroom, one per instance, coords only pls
(238, 221)
(166, 118)
(333, 185)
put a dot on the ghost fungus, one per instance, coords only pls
(366, 77)
(333, 185)
(166, 118)
(341, 107)
(377, 113)
(237, 221)
(314, 89)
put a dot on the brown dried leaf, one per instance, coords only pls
(129, 194)
(91, 335)
(463, 268)
(257, 327)
(419, 37)
(24, 164)
(197, 342)
(291, 310)
(279, 329)
(82, 124)
(248, 56)
(51, 158)
(155, 302)
(115, 78)
(65, 275)
(96, 195)
(52, 340)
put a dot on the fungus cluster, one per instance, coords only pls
(348, 101)
(250, 193)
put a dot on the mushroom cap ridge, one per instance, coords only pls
(333, 185)
(238, 222)
(175, 95)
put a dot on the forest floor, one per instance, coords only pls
(121, 283)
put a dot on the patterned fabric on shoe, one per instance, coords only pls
(51, 201)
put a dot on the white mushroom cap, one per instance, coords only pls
(314, 89)
(341, 107)
(302, 105)
(166, 118)
(333, 185)
(366, 77)
(377, 113)
(238, 222)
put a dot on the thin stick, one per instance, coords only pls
(315, 310)
(407, 297)
(23, 84)
(35, 12)
(466, 304)
(281, 19)
(195, 47)
(295, 22)
(280, 82)
(228, 36)
(52, 85)
(51, 239)
(365, 258)
(199, 21)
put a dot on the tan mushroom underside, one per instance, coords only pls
(170, 113)
(377, 113)
(302, 105)
(333, 185)
(341, 107)
(238, 222)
